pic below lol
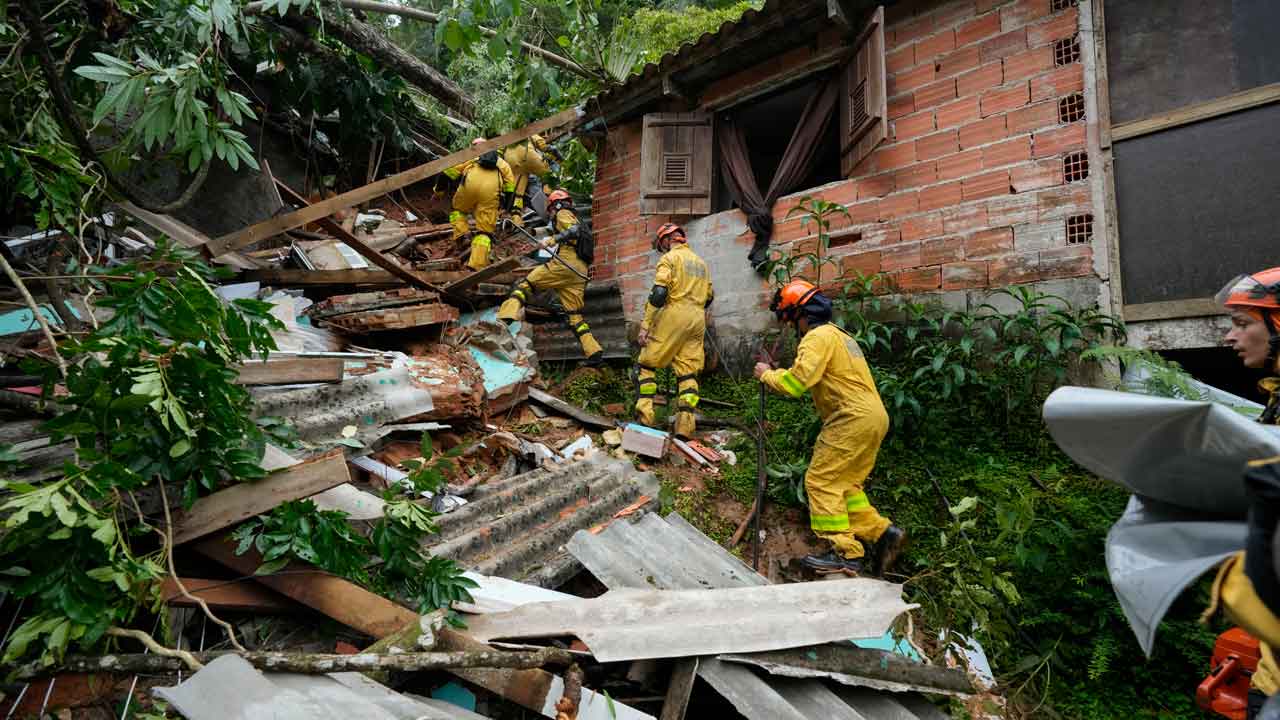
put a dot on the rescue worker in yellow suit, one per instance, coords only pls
(566, 273)
(1248, 583)
(487, 186)
(673, 328)
(527, 158)
(830, 365)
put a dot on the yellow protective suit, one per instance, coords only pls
(479, 195)
(525, 160)
(676, 331)
(830, 365)
(567, 275)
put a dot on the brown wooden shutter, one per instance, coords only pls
(675, 164)
(864, 106)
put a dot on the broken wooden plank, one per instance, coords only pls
(235, 595)
(359, 302)
(241, 502)
(288, 372)
(312, 213)
(333, 228)
(679, 689)
(573, 411)
(849, 664)
(185, 235)
(396, 318)
(289, 277)
(481, 275)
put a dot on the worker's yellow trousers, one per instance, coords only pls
(843, 457)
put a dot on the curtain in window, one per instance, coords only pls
(797, 163)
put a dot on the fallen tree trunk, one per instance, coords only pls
(307, 663)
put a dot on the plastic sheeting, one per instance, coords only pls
(1183, 461)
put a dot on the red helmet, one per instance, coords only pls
(789, 298)
(668, 233)
(558, 196)
(1257, 294)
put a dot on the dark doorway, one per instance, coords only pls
(1220, 368)
(767, 123)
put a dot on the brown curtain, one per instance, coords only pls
(797, 162)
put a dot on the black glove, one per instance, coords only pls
(508, 200)
(555, 154)
(567, 235)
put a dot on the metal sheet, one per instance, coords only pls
(872, 704)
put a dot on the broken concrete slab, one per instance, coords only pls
(360, 302)
(396, 318)
(645, 440)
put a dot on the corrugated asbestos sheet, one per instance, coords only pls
(603, 311)
(674, 555)
(516, 528)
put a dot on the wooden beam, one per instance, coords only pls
(293, 370)
(479, 276)
(361, 276)
(241, 502)
(234, 595)
(820, 62)
(564, 408)
(1172, 309)
(1235, 102)
(679, 689)
(312, 213)
(335, 229)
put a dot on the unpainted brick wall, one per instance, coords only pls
(966, 193)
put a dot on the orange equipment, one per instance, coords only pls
(1225, 691)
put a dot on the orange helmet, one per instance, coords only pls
(790, 298)
(1257, 294)
(667, 234)
(558, 196)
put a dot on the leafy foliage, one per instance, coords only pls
(666, 29)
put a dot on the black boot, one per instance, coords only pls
(596, 360)
(888, 548)
(830, 562)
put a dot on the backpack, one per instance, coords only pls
(488, 160)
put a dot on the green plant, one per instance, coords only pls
(784, 266)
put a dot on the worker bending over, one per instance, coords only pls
(830, 365)
(487, 186)
(673, 327)
(1247, 583)
(527, 159)
(572, 250)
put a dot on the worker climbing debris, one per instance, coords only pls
(830, 364)
(673, 328)
(527, 158)
(571, 251)
(1248, 586)
(487, 186)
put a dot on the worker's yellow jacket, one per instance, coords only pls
(525, 160)
(830, 365)
(687, 280)
(506, 178)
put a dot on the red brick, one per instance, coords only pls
(1004, 45)
(935, 94)
(919, 279)
(898, 257)
(894, 157)
(987, 185)
(1028, 63)
(1007, 152)
(1014, 268)
(935, 45)
(1063, 81)
(958, 112)
(975, 81)
(1012, 210)
(953, 167)
(900, 60)
(1042, 174)
(964, 219)
(952, 14)
(911, 79)
(1040, 236)
(979, 29)
(956, 62)
(1063, 25)
(913, 30)
(895, 206)
(1070, 261)
(942, 250)
(985, 5)
(983, 132)
(875, 186)
(920, 227)
(995, 102)
(902, 105)
(988, 243)
(1059, 140)
(864, 263)
(940, 196)
(912, 126)
(964, 275)
(881, 235)
(937, 145)
(1033, 117)
(863, 212)
(1063, 201)
(919, 174)
(1023, 12)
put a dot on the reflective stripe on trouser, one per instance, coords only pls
(646, 388)
(565, 276)
(839, 510)
(480, 245)
(675, 341)
(1233, 589)
(515, 302)
(686, 403)
(458, 220)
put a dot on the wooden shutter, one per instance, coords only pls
(864, 105)
(675, 164)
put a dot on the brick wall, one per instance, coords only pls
(966, 194)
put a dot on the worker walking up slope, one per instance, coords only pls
(830, 365)
(487, 186)
(526, 159)
(674, 324)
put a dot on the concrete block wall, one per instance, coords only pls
(966, 194)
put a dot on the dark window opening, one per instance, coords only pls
(1075, 166)
(1066, 51)
(1071, 108)
(840, 239)
(1221, 368)
(1079, 229)
(767, 124)
(1056, 6)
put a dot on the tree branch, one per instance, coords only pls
(158, 651)
(35, 311)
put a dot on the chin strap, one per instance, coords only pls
(1273, 342)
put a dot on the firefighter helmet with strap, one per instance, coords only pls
(1258, 295)
(667, 234)
(789, 299)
